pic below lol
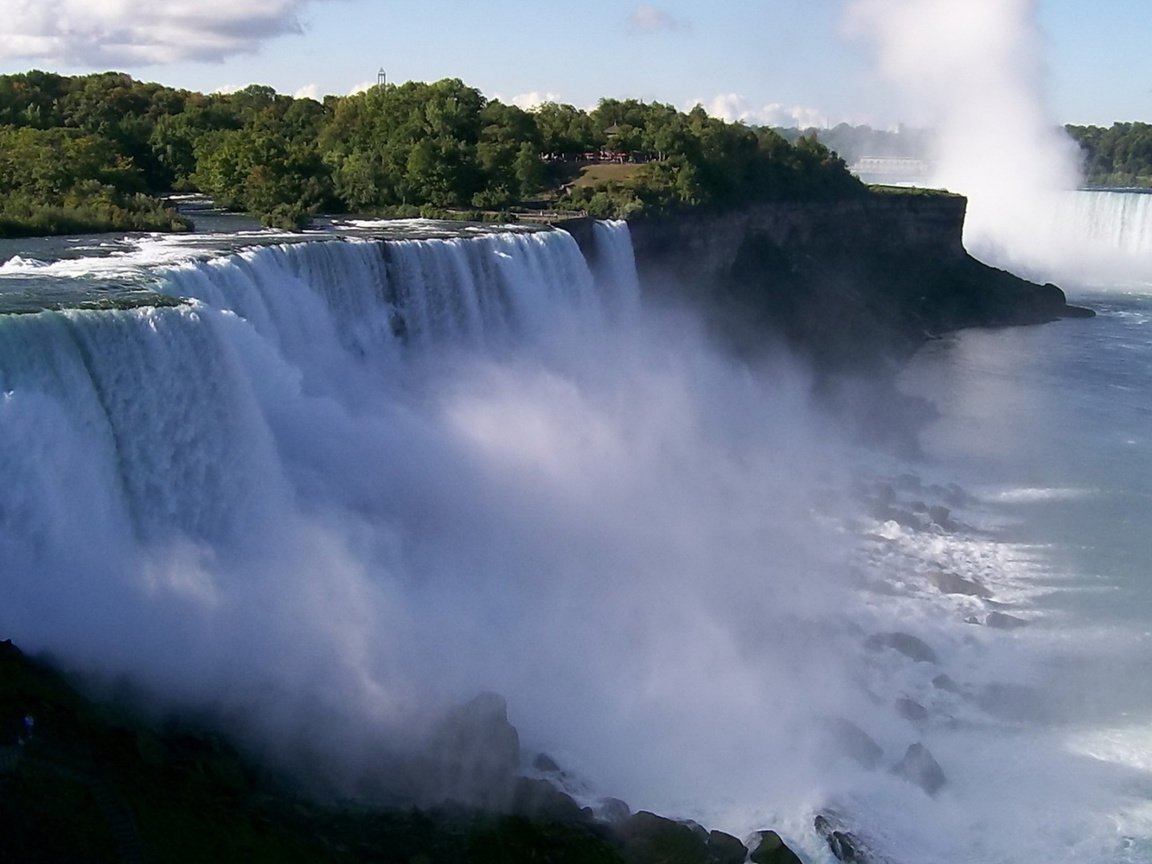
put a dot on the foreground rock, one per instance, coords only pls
(86, 782)
(845, 843)
(771, 849)
(651, 838)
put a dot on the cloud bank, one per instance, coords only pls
(735, 108)
(146, 32)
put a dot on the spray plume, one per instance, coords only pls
(974, 71)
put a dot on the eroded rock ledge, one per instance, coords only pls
(845, 282)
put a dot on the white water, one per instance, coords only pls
(1085, 238)
(356, 482)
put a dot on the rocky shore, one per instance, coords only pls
(92, 781)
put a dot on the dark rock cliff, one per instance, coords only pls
(847, 282)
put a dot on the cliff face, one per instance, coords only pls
(846, 282)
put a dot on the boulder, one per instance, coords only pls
(612, 810)
(848, 842)
(768, 848)
(904, 643)
(920, 768)
(911, 710)
(941, 516)
(725, 849)
(539, 799)
(954, 583)
(1004, 621)
(651, 839)
(843, 845)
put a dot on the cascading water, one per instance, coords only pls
(353, 482)
(1089, 237)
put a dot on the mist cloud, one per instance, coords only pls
(117, 32)
(974, 70)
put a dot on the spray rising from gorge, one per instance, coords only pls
(974, 73)
(359, 482)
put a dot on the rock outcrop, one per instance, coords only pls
(920, 768)
(845, 282)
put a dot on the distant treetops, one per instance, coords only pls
(93, 152)
(1120, 155)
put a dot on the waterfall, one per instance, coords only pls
(157, 458)
(1078, 239)
(1117, 221)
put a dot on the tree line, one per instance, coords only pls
(94, 152)
(1120, 155)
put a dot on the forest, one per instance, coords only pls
(1119, 156)
(99, 152)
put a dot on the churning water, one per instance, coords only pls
(350, 483)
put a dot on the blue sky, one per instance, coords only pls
(774, 61)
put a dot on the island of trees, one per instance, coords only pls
(98, 152)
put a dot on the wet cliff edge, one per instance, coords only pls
(851, 282)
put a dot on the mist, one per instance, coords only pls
(974, 72)
(635, 539)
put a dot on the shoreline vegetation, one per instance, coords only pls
(98, 152)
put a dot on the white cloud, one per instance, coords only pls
(309, 91)
(528, 101)
(141, 32)
(648, 19)
(734, 108)
(361, 87)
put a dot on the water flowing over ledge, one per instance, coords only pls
(349, 484)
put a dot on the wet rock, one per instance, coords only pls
(844, 845)
(1004, 621)
(905, 643)
(919, 767)
(651, 839)
(539, 799)
(844, 738)
(768, 848)
(612, 810)
(945, 683)
(545, 764)
(725, 849)
(954, 583)
(474, 757)
(942, 516)
(911, 710)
